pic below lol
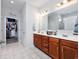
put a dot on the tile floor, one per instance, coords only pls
(17, 51)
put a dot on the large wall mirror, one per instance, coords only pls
(64, 19)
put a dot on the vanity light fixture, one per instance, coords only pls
(65, 1)
(46, 10)
(60, 20)
(11, 2)
(62, 3)
(59, 4)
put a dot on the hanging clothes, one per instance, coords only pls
(13, 33)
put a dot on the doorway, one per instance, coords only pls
(11, 30)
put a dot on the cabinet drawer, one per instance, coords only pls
(45, 49)
(37, 40)
(53, 41)
(39, 45)
(39, 36)
(45, 45)
(35, 35)
(68, 43)
(45, 39)
(54, 51)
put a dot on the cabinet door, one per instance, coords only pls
(45, 39)
(54, 48)
(68, 53)
(54, 51)
(45, 47)
(45, 44)
(37, 41)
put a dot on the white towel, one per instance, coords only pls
(13, 33)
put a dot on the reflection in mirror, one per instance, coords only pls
(58, 21)
(66, 21)
(55, 22)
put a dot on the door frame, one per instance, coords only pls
(3, 29)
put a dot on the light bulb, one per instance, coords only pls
(60, 20)
(59, 4)
(12, 2)
(65, 1)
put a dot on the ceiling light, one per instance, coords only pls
(59, 4)
(12, 2)
(65, 1)
(60, 20)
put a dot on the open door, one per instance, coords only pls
(11, 30)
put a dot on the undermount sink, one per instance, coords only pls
(65, 35)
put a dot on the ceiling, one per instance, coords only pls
(18, 4)
(40, 3)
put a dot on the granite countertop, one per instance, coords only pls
(69, 37)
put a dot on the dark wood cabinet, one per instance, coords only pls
(37, 40)
(54, 48)
(68, 49)
(45, 44)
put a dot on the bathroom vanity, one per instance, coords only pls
(57, 47)
(62, 27)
